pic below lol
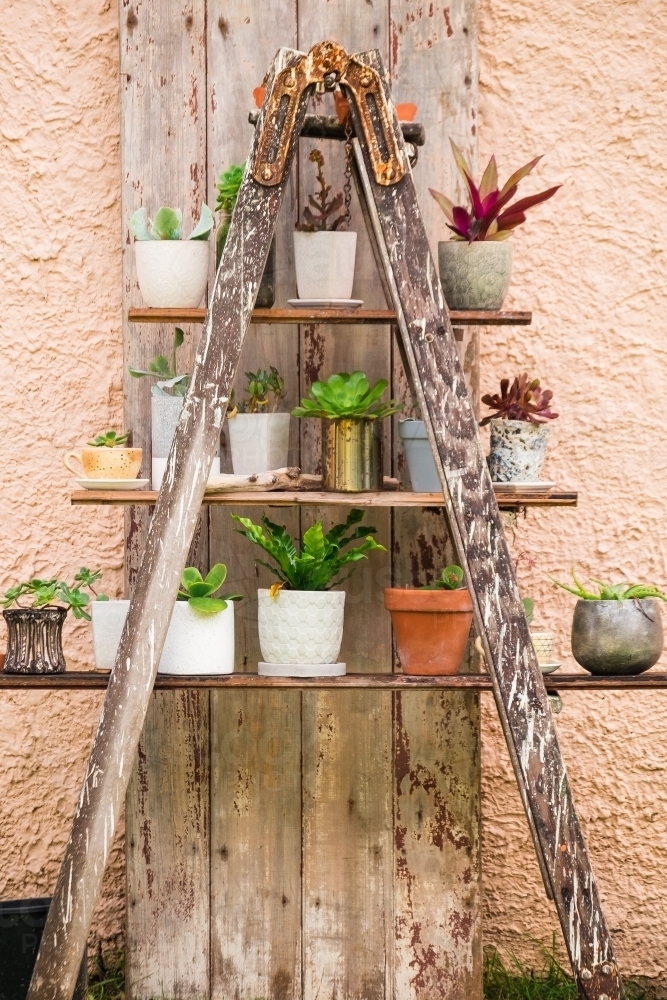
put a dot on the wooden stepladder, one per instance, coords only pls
(390, 206)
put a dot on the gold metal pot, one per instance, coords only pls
(351, 455)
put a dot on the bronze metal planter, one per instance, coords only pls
(34, 640)
(617, 637)
(351, 456)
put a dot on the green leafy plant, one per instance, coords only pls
(320, 220)
(523, 400)
(169, 383)
(198, 590)
(346, 396)
(451, 578)
(318, 562)
(528, 609)
(168, 224)
(47, 592)
(485, 219)
(261, 385)
(228, 186)
(611, 591)
(109, 439)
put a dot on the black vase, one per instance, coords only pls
(34, 640)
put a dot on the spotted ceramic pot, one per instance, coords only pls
(617, 637)
(475, 275)
(517, 450)
(301, 626)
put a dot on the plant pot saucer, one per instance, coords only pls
(548, 668)
(112, 484)
(526, 487)
(301, 669)
(325, 303)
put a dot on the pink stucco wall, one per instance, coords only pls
(582, 83)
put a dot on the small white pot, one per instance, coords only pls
(301, 626)
(165, 411)
(325, 264)
(421, 464)
(259, 442)
(172, 274)
(196, 644)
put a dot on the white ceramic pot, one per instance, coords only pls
(301, 627)
(196, 643)
(325, 264)
(475, 275)
(518, 448)
(418, 455)
(259, 442)
(544, 643)
(165, 411)
(172, 274)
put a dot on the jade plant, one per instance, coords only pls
(348, 397)
(319, 559)
(451, 578)
(261, 386)
(611, 591)
(168, 224)
(524, 399)
(490, 216)
(198, 590)
(317, 215)
(164, 369)
(109, 439)
(51, 592)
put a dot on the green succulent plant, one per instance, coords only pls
(261, 385)
(45, 592)
(168, 224)
(198, 590)
(451, 578)
(109, 439)
(347, 396)
(318, 562)
(164, 369)
(611, 591)
(228, 186)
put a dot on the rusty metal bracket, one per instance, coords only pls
(327, 65)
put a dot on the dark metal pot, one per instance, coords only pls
(617, 637)
(21, 925)
(34, 640)
(266, 295)
(351, 455)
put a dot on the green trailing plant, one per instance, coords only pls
(109, 439)
(349, 397)
(198, 590)
(524, 399)
(41, 593)
(319, 559)
(261, 386)
(490, 216)
(451, 578)
(168, 224)
(164, 369)
(611, 591)
(317, 214)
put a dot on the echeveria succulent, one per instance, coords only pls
(168, 223)
(523, 400)
(228, 186)
(347, 396)
(485, 219)
(109, 439)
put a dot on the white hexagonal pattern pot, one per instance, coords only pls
(172, 274)
(301, 626)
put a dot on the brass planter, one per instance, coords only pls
(351, 456)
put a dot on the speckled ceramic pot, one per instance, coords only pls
(301, 626)
(172, 274)
(517, 450)
(475, 275)
(617, 637)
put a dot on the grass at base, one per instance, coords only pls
(107, 979)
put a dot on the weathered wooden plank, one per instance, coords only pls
(337, 316)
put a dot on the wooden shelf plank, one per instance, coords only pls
(330, 316)
(279, 498)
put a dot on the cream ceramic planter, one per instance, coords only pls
(300, 632)
(165, 411)
(259, 442)
(475, 275)
(544, 644)
(172, 274)
(325, 264)
(196, 644)
(517, 450)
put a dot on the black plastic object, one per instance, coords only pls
(21, 925)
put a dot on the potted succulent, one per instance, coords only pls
(34, 632)
(324, 256)
(229, 183)
(476, 262)
(172, 272)
(200, 639)
(106, 457)
(431, 624)
(617, 630)
(351, 444)
(519, 429)
(300, 616)
(258, 436)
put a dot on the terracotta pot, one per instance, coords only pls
(431, 628)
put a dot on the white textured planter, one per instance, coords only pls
(475, 275)
(172, 274)
(301, 628)
(259, 442)
(196, 643)
(418, 455)
(165, 411)
(517, 450)
(325, 264)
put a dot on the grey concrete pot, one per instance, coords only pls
(475, 275)
(617, 637)
(421, 464)
(517, 450)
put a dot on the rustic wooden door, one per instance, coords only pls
(324, 844)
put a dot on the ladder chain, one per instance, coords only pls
(347, 186)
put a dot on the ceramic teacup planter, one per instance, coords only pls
(519, 430)
(172, 272)
(258, 437)
(105, 458)
(300, 618)
(476, 263)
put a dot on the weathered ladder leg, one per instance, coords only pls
(172, 527)
(477, 531)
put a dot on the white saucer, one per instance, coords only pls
(531, 487)
(113, 484)
(325, 303)
(301, 669)
(548, 668)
